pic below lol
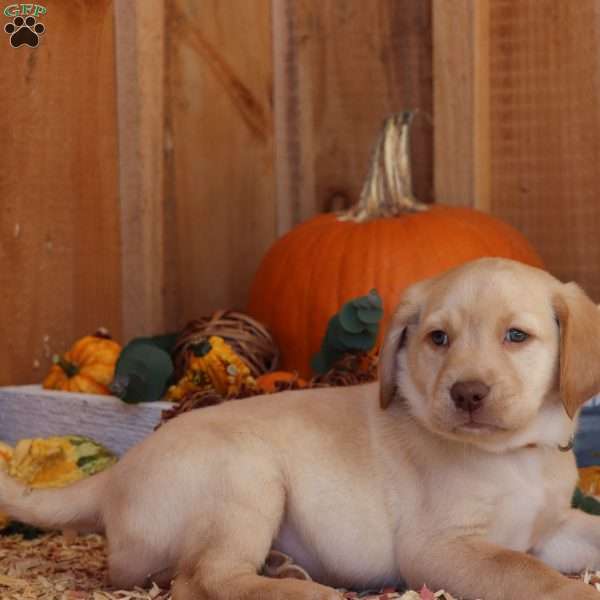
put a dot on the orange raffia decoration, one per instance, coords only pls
(270, 382)
(387, 241)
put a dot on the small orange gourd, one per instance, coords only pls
(88, 367)
(268, 381)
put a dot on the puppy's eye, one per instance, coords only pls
(515, 335)
(439, 337)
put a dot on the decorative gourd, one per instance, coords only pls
(589, 480)
(387, 241)
(248, 338)
(213, 365)
(88, 367)
(6, 453)
(267, 383)
(58, 461)
(144, 369)
(53, 462)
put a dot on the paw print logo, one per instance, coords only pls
(24, 31)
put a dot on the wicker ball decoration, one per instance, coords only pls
(250, 340)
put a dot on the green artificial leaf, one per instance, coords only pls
(354, 328)
(371, 300)
(375, 299)
(351, 342)
(348, 318)
(360, 342)
(373, 315)
(142, 373)
(343, 341)
(332, 356)
(334, 335)
(372, 328)
(324, 360)
(318, 363)
(362, 302)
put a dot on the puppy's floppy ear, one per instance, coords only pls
(406, 314)
(579, 322)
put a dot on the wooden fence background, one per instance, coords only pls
(152, 150)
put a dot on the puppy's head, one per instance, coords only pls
(480, 353)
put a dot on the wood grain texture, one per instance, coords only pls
(341, 68)
(30, 411)
(461, 102)
(545, 129)
(59, 220)
(221, 192)
(140, 58)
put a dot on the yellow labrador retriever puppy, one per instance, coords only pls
(452, 472)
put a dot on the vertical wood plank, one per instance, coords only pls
(59, 219)
(341, 68)
(461, 102)
(545, 129)
(221, 191)
(140, 49)
(481, 109)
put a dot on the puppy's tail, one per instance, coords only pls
(76, 506)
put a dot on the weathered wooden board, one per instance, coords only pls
(221, 214)
(517, 123)
(545, 129)
(140, 62)
(60, 271)
(30, 411)
(239, 119)
(341, 68)
(461, 102)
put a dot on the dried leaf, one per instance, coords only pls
(426, 593)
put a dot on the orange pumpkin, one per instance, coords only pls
(88, 367)
(387, 241)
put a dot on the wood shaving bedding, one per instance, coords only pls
(62, 567)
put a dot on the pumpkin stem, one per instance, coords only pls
(388, 191)
(201, 348)
(70, 369)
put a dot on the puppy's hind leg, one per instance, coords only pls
(137, 553)
(128, 568)
(224, 564)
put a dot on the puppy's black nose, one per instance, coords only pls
(469, 395)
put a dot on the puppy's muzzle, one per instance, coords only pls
(469, 395)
